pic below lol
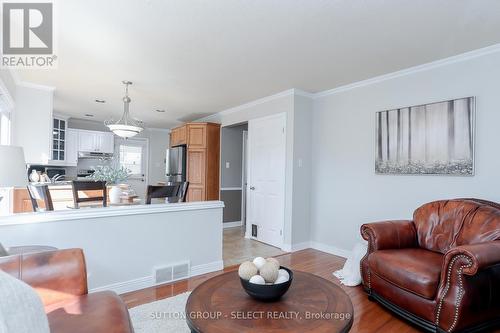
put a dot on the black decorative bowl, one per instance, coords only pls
(267, 292)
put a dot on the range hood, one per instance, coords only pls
(94, 155)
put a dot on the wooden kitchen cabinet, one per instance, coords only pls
(178, 136)
(203, 158)
(197, 135)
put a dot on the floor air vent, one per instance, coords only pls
(163, 274)
(172, 273)
(181, 271)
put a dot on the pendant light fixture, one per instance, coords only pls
(127, 126)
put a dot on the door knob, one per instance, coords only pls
(252, 188)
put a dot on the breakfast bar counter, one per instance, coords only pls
(124, 246)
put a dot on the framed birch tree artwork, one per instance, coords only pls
(430, 139)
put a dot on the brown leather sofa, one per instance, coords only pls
(60, 278)
(441, 271)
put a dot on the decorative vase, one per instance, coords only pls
(115, 194)
(34, 177)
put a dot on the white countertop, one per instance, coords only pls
(76, 214)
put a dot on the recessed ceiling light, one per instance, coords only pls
(160, 110)
(89, 115)
(100, 101)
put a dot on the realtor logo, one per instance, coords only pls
(28, 35)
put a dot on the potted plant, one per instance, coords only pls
(112, 176)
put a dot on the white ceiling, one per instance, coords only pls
(197, 57)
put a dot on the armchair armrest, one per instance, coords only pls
(478, 256)
(459, 261)
(389, 235)
(55, 275)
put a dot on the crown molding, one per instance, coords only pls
(412, 70)
(407, 71)
(157, 129)
(289, 92)
(21, 83)
(36, 86)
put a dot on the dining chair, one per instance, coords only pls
(181, 194)
(183, 189)
(169, 192)
(89, 185)
(40, 193)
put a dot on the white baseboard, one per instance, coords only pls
(148, 281)
(330, 249)
(127, 286)
(232, 224)
(207, 268)
(296, 247)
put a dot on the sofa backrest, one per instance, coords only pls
(445, 224)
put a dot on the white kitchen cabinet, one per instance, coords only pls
(93, 141)
(71, 147)
(86, 141)
(107, 143)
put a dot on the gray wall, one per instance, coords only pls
(346, 192)
(232, 153)
(296, 226)
(232, 205)
(158, 143)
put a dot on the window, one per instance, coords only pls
(4, 128)
(6, 105)
(131, 158)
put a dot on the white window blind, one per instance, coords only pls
(5, 116)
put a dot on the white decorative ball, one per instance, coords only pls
(269, 272)
(247, 270)
(274, 261)
(281, 279)
(257, 279)
(259, 262)
(284, 273)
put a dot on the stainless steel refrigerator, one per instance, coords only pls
(176, 164)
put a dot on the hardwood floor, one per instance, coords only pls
(368, 316)
(238, 249)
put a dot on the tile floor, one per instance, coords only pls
(238, 249)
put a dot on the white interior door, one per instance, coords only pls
(266, 179)
(133, 155)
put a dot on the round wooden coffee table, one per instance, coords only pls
(312, 304)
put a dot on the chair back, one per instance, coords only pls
(445, 224)
(89, 185)
(183, 190)
(162, 192)
(182, 193)
(40, 193)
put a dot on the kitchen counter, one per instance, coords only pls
(147, 236)
(76, 214)
(61, 193)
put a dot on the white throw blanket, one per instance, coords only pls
(350, 275)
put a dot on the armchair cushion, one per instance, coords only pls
(414, 270)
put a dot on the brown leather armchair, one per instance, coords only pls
(60, 278)
(441, 271)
